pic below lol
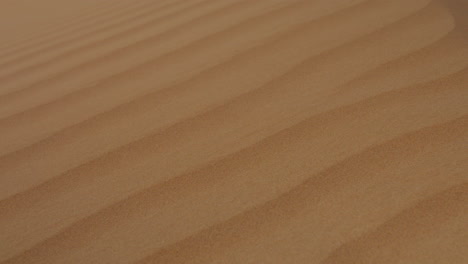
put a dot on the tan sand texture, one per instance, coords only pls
(234, 131)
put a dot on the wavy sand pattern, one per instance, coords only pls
(234, 131)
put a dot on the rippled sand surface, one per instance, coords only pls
(234, 131)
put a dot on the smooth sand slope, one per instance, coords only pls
(234, 131)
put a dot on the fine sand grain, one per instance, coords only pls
(234, 131)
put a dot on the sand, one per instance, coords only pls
(234, 131)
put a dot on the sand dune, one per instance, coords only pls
(234, 131)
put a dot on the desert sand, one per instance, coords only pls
(234, 131)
